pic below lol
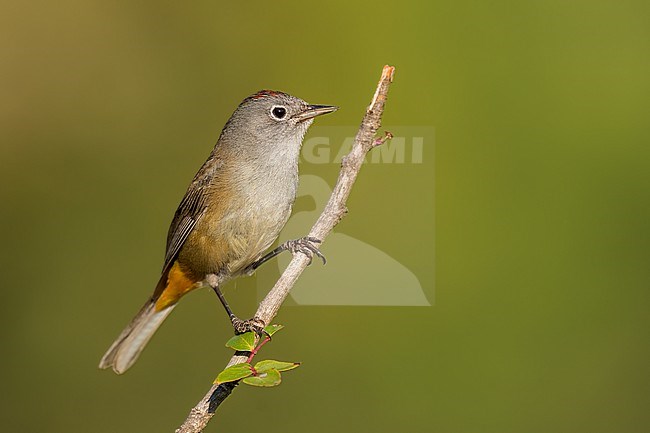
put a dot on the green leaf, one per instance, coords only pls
(243, 342)
(233, 373)
(267, 378)
(272, 329)
(269, 364)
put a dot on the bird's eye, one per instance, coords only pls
(278, 112)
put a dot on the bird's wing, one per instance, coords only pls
(190, 211)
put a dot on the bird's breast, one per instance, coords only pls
(242, 220)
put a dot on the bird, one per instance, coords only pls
(232, 212)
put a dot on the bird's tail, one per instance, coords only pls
(125, 350)
(174, 283)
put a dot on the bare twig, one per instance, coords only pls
(334, 211)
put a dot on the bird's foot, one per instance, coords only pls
(304, 245)
(307, 246)
(255, 325)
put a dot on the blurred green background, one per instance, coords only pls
(538, 263)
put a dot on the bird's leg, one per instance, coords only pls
(240, 326)
(304, 245)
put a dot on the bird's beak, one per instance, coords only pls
(314, 110)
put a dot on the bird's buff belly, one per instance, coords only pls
(227, 246)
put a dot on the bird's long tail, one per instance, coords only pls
(125, 350)
(174, 283)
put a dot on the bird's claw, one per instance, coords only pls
(306, 246)
(255, 325)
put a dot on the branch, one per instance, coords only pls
(334, 211)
